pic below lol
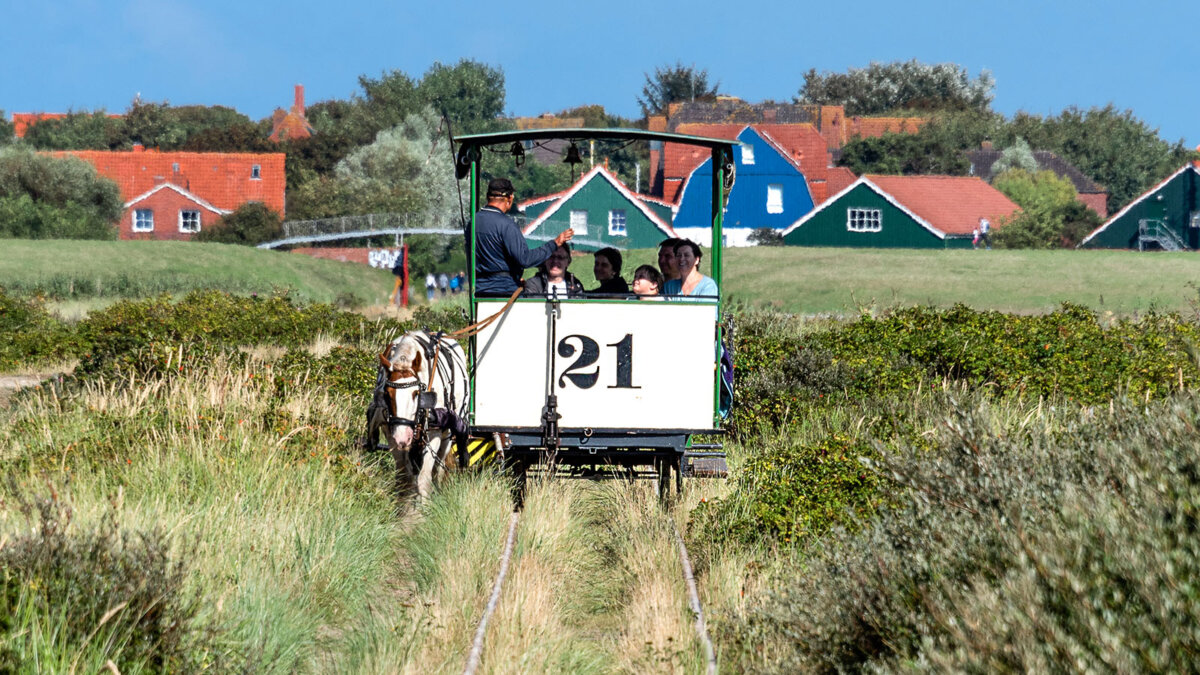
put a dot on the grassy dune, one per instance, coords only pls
(131, 269)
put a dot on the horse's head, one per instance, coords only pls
(403, 361)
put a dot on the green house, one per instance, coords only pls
(903, 212)
(1166, 217)
(603, 212)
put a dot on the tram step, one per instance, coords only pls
(709, 467)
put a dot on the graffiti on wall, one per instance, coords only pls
(383, 258)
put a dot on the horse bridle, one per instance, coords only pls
(426, 400)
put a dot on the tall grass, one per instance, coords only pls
(286, 537)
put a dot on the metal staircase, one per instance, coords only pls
(1151, 231)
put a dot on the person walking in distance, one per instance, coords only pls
(430, 286)
(501, 253)
(985, 233)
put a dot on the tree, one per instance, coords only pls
(936, 149)
(78, 131)
(240, 137)
(1017, 156)
(469, 93)
(6, 129)
(251, 224)
(675, 83)
(1051, 214)
(385, 102)
(900, 85)
(46, 197)
(1114, 148)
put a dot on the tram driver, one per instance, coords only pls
(501, 253)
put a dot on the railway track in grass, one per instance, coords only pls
(497, 594)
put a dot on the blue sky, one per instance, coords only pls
(247, 54)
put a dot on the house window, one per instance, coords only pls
(579, 221)
(774, 198)
(616, 222)
(175, 167)
(864, 220)
(189, 220)
(747, 153)
(256, 172)
(143, 220)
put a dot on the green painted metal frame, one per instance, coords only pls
(722, 150)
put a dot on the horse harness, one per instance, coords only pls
(426, 397)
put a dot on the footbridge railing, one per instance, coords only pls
(300, 232)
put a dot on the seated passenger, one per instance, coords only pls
(690, 282)
(666, 259)
(647, 283)
(552, 277)
(608, 272)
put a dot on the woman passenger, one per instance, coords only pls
(690, 282)
(647, 283)
(607, 269)
(553, 278)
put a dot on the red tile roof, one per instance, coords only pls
(223, 179)
(837, 179)
(952, 204)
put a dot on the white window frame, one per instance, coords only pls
(775, 206)
(747, 153)
(183, 213)
(616, 223)
(864, 220)
(256, 172)
(579, 221)
(143, 220)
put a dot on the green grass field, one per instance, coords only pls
(80, 270)
(840, 281)
(798, 280)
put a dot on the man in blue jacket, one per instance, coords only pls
(501, 253)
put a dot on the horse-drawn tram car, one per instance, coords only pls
(606, 381)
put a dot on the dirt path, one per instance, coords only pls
(10, 384)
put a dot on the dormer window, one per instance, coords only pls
(256, 172)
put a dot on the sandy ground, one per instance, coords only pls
(9, 384)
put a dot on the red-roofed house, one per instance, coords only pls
(801, 144)
(903, 212)
(828, 121)
(173, 195)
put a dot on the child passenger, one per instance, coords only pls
(647, 283)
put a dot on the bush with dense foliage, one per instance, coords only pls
(251, 224)
(46, 197)
(1021, 549)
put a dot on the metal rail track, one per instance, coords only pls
(474, 657)
(481, 630)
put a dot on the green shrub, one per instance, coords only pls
(30, 335)
(1067, 544)
(791, 492)
(137, 337)
(251, 224)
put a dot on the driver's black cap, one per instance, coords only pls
(499, 187)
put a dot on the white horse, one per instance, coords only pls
(421, 441)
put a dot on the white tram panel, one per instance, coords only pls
(633, 365)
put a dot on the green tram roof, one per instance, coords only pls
(503, 137)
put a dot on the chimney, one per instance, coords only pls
(298, 106)
(986, 145)
(138, 147)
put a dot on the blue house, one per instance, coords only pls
(769, 190)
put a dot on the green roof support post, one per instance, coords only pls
(470, 233)
(718, 214)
